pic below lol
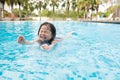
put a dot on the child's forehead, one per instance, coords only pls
(46, 27)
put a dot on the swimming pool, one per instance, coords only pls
(92, 53)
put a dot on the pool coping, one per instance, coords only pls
(102, 21)
(95, 21)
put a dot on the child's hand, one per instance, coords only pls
(21, 40)
(46, 46)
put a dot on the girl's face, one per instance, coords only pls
(45, 33)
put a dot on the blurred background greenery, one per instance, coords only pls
(75, 9)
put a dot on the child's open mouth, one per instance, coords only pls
(43, 37)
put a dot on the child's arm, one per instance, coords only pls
(65, 37)
(48, 47)
(21, 40)
(68, 35)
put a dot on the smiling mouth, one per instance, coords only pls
(43, 37)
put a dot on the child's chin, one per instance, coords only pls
(45, 39)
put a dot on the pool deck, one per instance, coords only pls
(102, 21)
(44, 18)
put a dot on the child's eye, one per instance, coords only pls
(45, 31)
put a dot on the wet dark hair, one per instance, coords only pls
(52, 29)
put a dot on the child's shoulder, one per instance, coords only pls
(58, 39)
(37, 40)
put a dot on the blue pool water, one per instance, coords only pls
(92, 52)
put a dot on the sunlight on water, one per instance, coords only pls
(92, 52)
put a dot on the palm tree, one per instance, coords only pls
(54, 3)
(97, 3)
(40, 4)
(3, 3)
(25, 7)
(92, 7)
(68, 8)
(19, 3)
(30, 7)
(86, 6)
(66, 5)
(117, 10)
(79, 6)
(0, 11)
(11, 3)
(62, 4)
(74, 4)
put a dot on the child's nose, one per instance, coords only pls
(43, 33)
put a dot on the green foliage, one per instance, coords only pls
(119, 7)
(46, 13)
(105, 14)
(59, 14)
(16, 12)
(33, 14)
(81, 14)
(73, 14)
(70, 8)
(23, 13)
(5, 13)
(110, 10)
(101, 14)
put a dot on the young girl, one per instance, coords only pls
(47, 34)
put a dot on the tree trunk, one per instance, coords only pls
(97, 12)
(40, 13)
(3, 11)
(19, 12)
(0, 14)
(53, 12)
(12, 13)
(68, 5)
(78, 12)
(91, 16)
